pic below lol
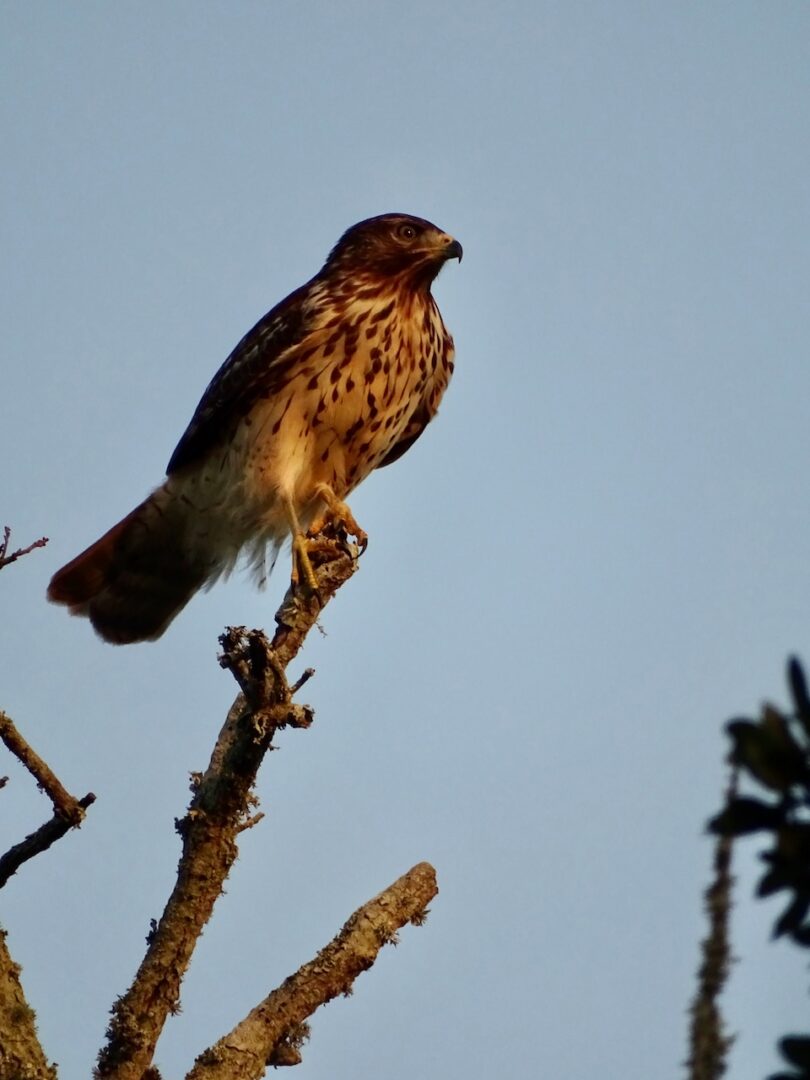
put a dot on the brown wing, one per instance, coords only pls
(256, 368)
(417, 424)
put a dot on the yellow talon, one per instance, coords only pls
(339, 514)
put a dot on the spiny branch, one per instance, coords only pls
(272, 1032)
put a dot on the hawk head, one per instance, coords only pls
(394, 245)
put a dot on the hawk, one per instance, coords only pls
(337, 380)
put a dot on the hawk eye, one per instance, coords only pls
(406, 232)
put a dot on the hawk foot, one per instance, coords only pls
(339, 516)
(310, 552)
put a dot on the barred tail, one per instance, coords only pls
(134, 580)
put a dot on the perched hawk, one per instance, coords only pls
(337, 380)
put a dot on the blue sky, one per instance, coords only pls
(594, 557)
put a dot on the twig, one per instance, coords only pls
(222, 803)
(709, 1043)
(65, 804)
(251, 821)
(6, 559)
(302, 680)
(68, 810)
(21, 1053)
(40, 840)
(271, 1033)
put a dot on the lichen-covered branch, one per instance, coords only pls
(221, 807)
(270, 1033)
(21, 1055)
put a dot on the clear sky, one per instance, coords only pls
(596, 555)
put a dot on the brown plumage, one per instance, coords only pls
(337, 380)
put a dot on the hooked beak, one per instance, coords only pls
(452, 248)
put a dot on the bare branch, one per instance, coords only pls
(21, 1054)
(68, 810)
(64, 803)
(6, 559)
(39, 841)
(271, 1033)
(222, 804)
(299, 612)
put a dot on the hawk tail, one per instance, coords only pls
(137, 577)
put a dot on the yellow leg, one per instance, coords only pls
(302, 567)
(339, 514)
